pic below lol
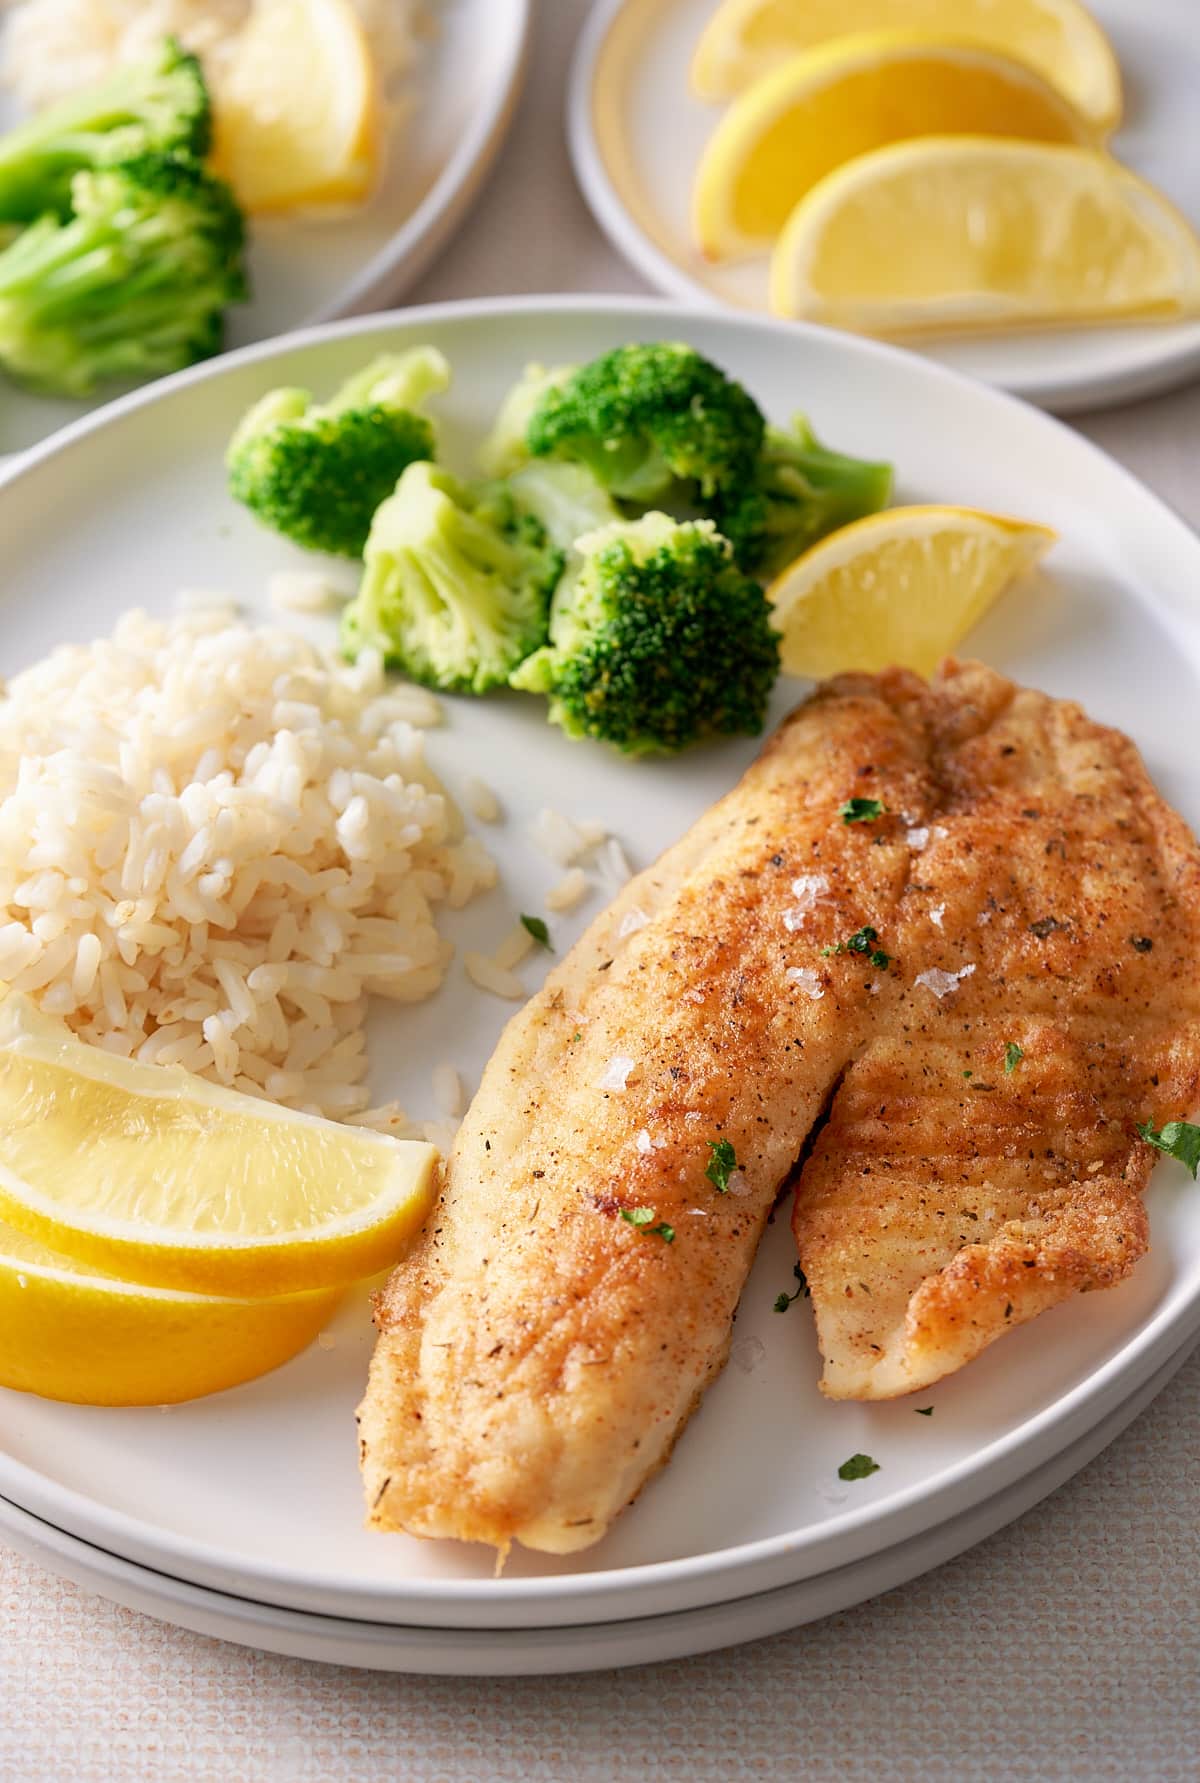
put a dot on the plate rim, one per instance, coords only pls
(1172, 369)
(496, 1653)
(428, 227)
(698, 1577)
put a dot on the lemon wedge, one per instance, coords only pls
(830, 104)
(297, 113)
(898, 587)
(67, 1332)
(975, 232)
(745, 39)
(160, 1177)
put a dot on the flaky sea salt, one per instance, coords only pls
(942, 983)
(807, 980)
(917, 838)
(936, 914)
(631, 922)
(616, 1073)
(806, 890)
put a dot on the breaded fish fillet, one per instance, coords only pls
(980, 1161)
(538, 1352)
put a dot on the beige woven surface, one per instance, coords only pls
(1065, 1647)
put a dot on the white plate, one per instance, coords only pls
(463, 91)
(516, 1652)
(636, 134)
(256, 1491)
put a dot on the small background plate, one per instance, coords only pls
(636, 135)
(460, 97)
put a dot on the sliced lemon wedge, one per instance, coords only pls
(160, 1177)
(297, 112)
(824, 107)
(745, 39)
(901, 587)
(962, 232)
(68, 1332)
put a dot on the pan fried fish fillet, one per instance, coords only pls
(980, 1160)
(538, 1354)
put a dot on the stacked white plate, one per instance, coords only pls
(241, 1514)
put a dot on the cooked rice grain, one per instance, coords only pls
(214, 844)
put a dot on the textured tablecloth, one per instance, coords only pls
(1066, 1646)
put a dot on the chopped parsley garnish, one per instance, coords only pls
(862, 810)
(642, 1218)
(923, 1411)
(1179, 1139)
(721, 1165)
(968, 1074)
(534, 926)
(857, 1468)
(863, 942)
(1013, 1054)
(783, 1301)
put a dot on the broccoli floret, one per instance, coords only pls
(654, 423)
(133, 284)
(506, 447)
(160, 105)
(566, 498)
(657, 639)
(801, 491)
(316, 472)
(457, 584)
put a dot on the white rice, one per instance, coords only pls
(214, 844)
(53, 47)
(481, 801)
(448, 1090)
(490, 977)
(569, 891)
(516, 946)
(305, 591)
(562, 840)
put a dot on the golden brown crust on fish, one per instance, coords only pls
(538, 1354)
(960, 1187)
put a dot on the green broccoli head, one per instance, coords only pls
(506, 447)
(457, 583)
(133, 284)
(657, 640)
(316, 472)
(800, 491)
(653, 423)
(159, 105)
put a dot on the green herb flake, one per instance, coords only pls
(1179, 1139)
(1013, 1054)
(923, 1411)
(783, 1301)
(533, 925)
(968, 1074)
(857, 1468)
(642, 1218)
(721, 1165)
(862, 810)
(863, 942)
(576, 1036)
